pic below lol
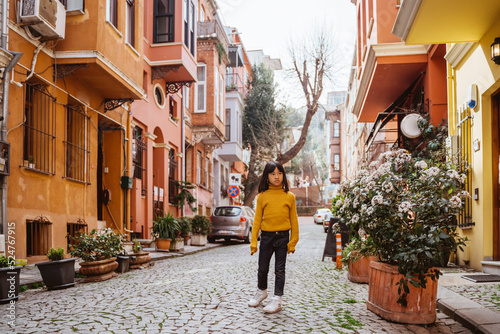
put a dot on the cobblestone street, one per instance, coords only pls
(208, 292)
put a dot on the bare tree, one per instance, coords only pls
(312, 64)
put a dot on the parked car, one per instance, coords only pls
(326, 221)
(319, 215)
(232, 222)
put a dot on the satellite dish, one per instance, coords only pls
(409, 126)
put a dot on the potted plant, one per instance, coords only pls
(185, 228)
(98, 250)
(58, 272)
(31, 161)
(406, 207)
(9, 279)
(139, 258)
(200, 227)
(165, 229)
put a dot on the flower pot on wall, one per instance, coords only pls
(97, 271)
(359, 270)
(58, 274)
(383, 296)
(198, 240)
(9, 284)
(177, 244)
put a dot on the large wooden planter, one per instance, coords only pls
(139, 260)
(163, 244)
(9, 284)
(383, 296)
(58, 274)
(359, 270)
(97, 271)
(198, 240)
(177, 244)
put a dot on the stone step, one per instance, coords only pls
(491, 267)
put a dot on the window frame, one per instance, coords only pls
(336, 129)
(336, 162)
(130, 22)
(170, 14)
(112, 12)
(77, 117)
(202, 83)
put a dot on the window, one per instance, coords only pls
(221, 96)
(131, 22)
(139, 148)
(163, 29)
(336, 129)
(159, 96)
(188, 16)
(210, 173)
(228, 124)
(198, 167)
(172, 108)
(39, 129)
(217, 95)
(201, 93)
(336, 162)
(112, 12)
(206, 178)
(192, 14)
(186, 98)
(172, 171)
(77, 144)
(38, 236)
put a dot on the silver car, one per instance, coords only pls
(319, 215)
(232, 222)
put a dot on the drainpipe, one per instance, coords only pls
(183, 142)
(5, 112)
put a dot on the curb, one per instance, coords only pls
(470, 314)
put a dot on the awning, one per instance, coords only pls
(388, 114)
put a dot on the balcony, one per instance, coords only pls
(213, 30)
(231, 151)
(235, 83)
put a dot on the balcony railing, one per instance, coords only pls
(215, 29)
(234, 82)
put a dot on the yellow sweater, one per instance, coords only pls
(276, 211)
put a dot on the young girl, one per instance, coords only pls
(275, 217)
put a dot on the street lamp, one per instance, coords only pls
(495, 51)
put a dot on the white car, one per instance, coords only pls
(326, 221)
(319, 215)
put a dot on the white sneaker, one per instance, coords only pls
(258, 298)
(274, 306)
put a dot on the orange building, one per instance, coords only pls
(392, 79)
(169, 69)
(69, 119)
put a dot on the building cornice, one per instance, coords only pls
(457, 52)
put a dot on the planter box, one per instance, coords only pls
(58, 274)
(97, 271)
(123, 264)
(177, 244)
(9, 284)
(383, 296)
(198, 240)
(359, 270)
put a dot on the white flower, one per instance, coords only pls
(377, 199)
(369, 211)
(355, 203)
(363, 208)
(453, 174)
(370, 185)
(404, 206)
(433, 171)
(406, 157)
(421, 164)
(372, 225)
(464, 194)
(339, 203)
(355, 219)
(387, 186)
(455, 201)
(362, 233)
(374, 164)
(347, 202)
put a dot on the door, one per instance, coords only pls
(496, 175)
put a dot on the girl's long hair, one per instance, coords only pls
(270, 167)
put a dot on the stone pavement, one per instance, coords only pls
(208, 293)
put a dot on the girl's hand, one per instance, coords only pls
(253, 249)
(291, 249)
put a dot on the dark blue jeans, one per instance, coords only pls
(273, 242)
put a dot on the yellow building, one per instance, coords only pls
(469, 28)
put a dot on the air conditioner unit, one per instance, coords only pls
(47, 17)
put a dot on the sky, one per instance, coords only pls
(273, 25)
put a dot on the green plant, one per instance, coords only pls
(137, 248)
(5, 262)
(185, 226)
(184, 196)
(31, 159)
(55, 254)
(98, 245)
(166, 227)
(221, 51)
(337, 203)
(23, 288)
(201, 225)
(407, 208)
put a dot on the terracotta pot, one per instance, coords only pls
(139, 259)
(177, 244)
(383, 296)
(163, 244)
(97, 271)
(359, 270)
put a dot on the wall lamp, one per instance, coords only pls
(495, 51)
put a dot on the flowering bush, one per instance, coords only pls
(98, 245)
(408, 211)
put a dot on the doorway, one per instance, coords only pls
(496, 174)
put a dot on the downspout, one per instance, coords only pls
(5, 107)
(183, 142)
(128, 170)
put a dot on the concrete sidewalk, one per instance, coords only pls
(30, 275)
(472, 315)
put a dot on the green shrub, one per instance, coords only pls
(166, 227)
(185, 225)
(98, 245)
(4, 262)
(201, 225)
(55, 254)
